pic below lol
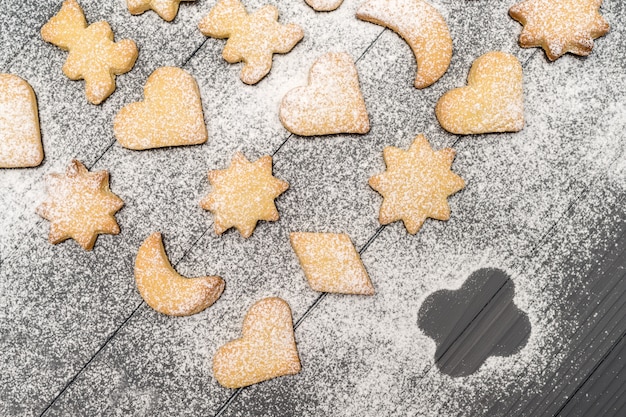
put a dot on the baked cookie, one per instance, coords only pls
(163, 289)
(324, 5)
(93, 55)
(331, 102)
(252, 38)
(422, 27)
(560, 26)
(493, 100)
(170, 115)
(20, 140)
(266, 350)
(416, 184)
(243, 194)
(330, 263)
(80, 206)
(167, 9)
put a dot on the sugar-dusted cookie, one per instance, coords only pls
(252, 38)
(493, 100)
(20, 140)
(170, 115)
(330, 263)
(243, 194)
(266, 350)
(331, 102)
(80, 206)
(560, 26)
(167, 9)
(94, 56)
(324, 5)
(421, 26)
(416, 184)
(163, 289)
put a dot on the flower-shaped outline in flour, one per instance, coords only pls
(474, 322)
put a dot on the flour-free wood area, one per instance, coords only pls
(546, 206)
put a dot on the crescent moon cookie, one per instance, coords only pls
(20, 139)
(266, 350)
(331, 103)
(167, 9)
(243, 194)
(331, 263)
(252, 38)
(93, 55)
(422, 27)
(170, 115)
(560, 26)
(324, 5)
(163, 289)
(416, 184)
(493, 100)
(80, 206)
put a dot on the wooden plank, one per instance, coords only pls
(603, 393)
(598, 307)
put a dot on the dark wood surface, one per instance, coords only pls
(543, 336)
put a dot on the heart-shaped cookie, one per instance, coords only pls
(493, 100)
(331, 103)
(170, 115)
(20, 140)
(267, 349)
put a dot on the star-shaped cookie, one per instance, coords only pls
(560, 26)
(416, 184)
(80, 206)
(243, 194)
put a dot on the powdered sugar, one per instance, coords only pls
(353, 355)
